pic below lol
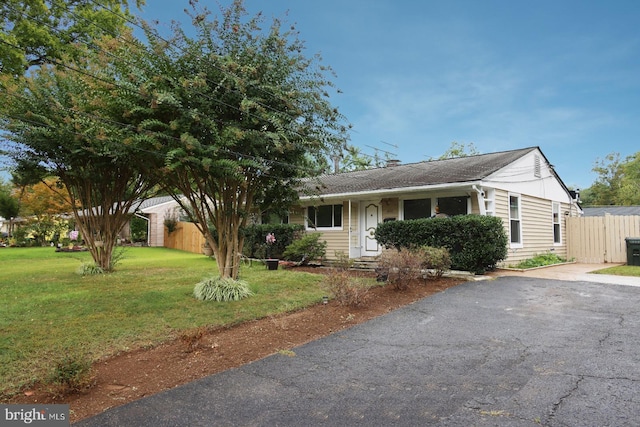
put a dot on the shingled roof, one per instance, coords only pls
(611, 210)
(435, 172)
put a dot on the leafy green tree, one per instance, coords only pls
(9, 204)
(458, 149)
(604, 191)
(629, 191)
(70, 124)
(43, 203)
(354, 159)
(239, 115)
(36, 32)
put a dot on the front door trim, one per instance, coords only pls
(370, 218)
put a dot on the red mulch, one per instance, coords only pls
(146, 371)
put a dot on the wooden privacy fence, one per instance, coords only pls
(186, 237)
(597, 239)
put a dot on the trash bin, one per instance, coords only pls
(633, 250)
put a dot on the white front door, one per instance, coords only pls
(370, 220)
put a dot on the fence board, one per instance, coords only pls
(186, 237)
(600, 239)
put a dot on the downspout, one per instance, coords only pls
(480, 198)
(349, 232)
(148, 226)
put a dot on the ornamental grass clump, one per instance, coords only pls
(90, 269)
(222, 289)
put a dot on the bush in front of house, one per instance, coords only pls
(255, 245)
(346, 289)
(400, 267)
(343, 287)
(476, 243)
(307, 249)
(435, 261)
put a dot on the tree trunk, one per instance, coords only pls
(230, 216)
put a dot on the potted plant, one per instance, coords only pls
(272, 264)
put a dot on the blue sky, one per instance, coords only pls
(562, 75)
(418, 75)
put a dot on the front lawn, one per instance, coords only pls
(48, 310)
(620, 270)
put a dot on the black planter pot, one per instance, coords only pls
(272, 264)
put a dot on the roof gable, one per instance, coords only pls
(154, 201)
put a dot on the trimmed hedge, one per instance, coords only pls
(255, 245)
(476, 243)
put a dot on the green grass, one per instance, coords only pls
(620, 270)
(48, 310)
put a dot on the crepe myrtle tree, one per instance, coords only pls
(37, 32)
(239, 114)
(67, 122)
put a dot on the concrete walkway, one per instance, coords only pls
(575, 272)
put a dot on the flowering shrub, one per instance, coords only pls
(255, 244)
(270, 239)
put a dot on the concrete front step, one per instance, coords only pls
(365, 264)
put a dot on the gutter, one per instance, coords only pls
(388, 192)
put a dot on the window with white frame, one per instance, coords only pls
(557, 234)
(324, 216)
(515, 226)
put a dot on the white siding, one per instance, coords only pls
(337, 240)
(520, 177)
(537, 227)
(156, 216)
(156, 229)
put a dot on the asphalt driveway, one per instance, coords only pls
(515, 351)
